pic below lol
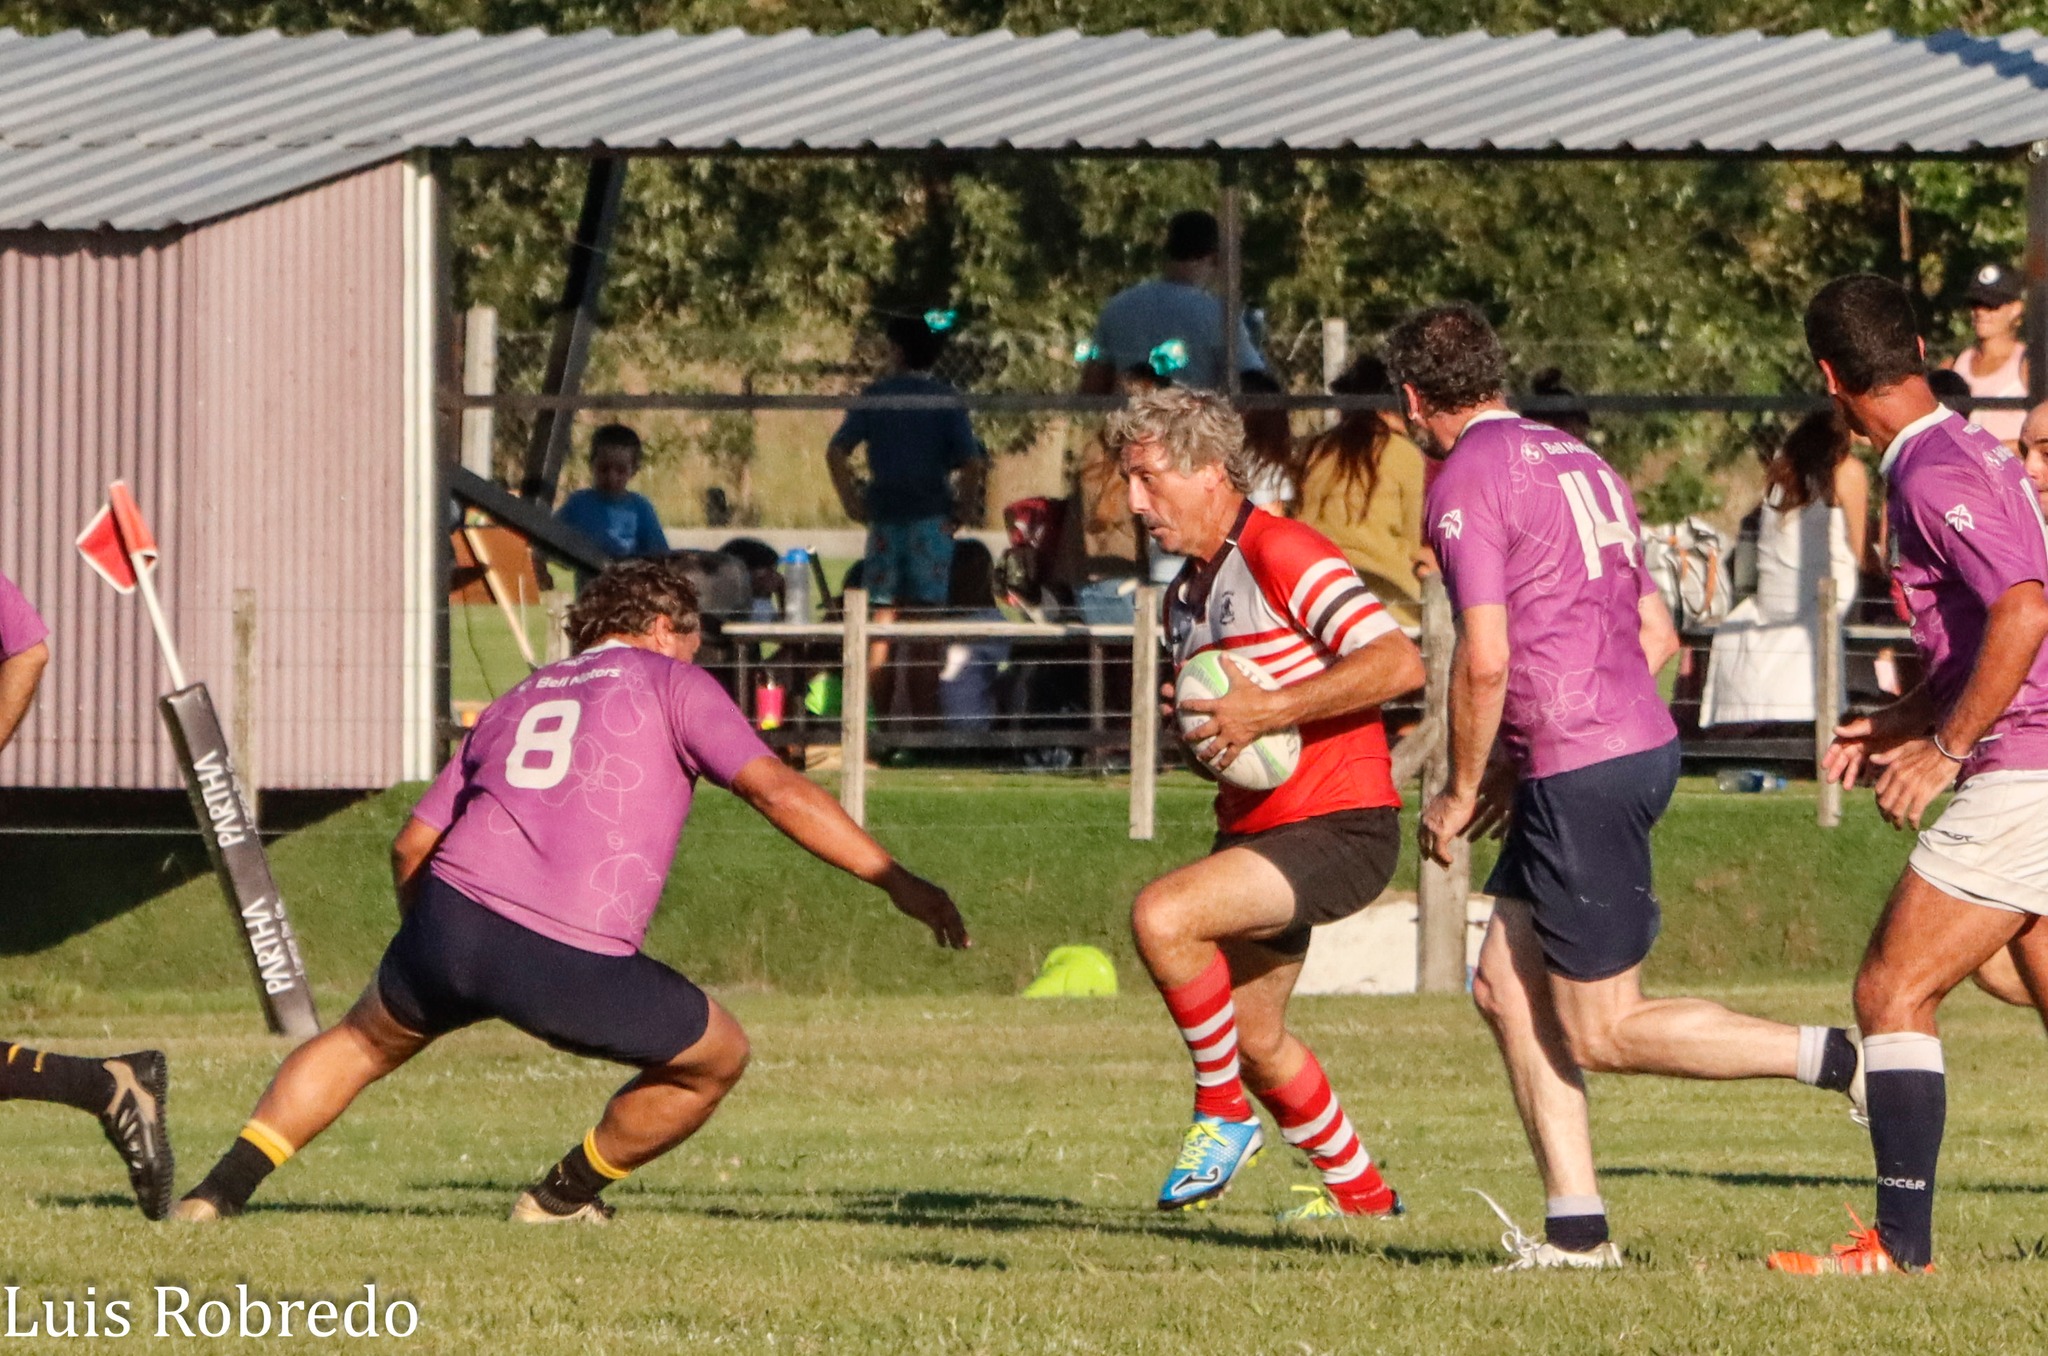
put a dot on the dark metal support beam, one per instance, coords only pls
(1230, 219)
(2037, 272)
(527, 518)
(1026, 402)
(570, 352)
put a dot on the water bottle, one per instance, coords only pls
(768, 703)
(1748, 780)
(796, 585)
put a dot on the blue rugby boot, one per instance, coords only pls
(1211, 1153)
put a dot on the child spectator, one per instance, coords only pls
(967, 681)
(608, 512)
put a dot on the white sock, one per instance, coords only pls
(1813, 1044)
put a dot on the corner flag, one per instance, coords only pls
(119, 546)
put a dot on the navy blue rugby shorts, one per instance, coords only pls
(454, 963)
(1579, 852)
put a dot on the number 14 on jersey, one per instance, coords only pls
(1598, 526)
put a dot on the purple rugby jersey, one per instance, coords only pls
(20, 627)
(1528, 517)
(1965, 527)
(564, 808)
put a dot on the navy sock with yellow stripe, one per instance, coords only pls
(39, 1076)
(256, 1153)
(576, 1181)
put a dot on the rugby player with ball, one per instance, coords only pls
(1294, 657)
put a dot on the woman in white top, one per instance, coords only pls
(1996, 365)
(1812, 525)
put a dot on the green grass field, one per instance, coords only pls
(920, 1161)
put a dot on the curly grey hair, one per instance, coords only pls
(1192, 429)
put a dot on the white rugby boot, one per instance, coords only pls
(1536, 1254)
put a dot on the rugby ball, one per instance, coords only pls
(1268, 760)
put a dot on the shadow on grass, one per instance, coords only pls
(98, 1200)
(68, 883)
(998, 1213)
(1817, 1179)
(957, 1261)
(108, 1200)
(986, 1212)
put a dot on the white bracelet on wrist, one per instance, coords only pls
(1942, 749)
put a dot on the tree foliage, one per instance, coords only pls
(1629, 275)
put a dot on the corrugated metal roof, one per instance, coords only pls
(137, 132)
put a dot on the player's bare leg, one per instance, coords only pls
(1197, 930)
(1179, 920)
(1926, 943)
(1261, 983)
(1612, 1027)
(2000, 977)
(667, 1104)
(2028, 956)
(1511, 989)
(659, 1109)
(311, 1089)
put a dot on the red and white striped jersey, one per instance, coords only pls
(1285, 596)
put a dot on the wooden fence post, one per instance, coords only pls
(1145, 713)
(1827, 700)
(479, 377)
(1441, 890)
(555, 603)
(853, 708)
(1336, 357)
(244, 718)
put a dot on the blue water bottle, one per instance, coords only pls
(796, 585)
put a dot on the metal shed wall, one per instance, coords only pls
(93, 387)
(248, 379)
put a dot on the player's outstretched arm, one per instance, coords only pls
(801, 809)
(19, 676)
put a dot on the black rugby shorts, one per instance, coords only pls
(1579, 852)
(454, 963)
(1337, 863)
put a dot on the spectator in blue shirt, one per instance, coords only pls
(608, 512)
(924, 475)
(1175, 317)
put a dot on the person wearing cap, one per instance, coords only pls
(1996, 365)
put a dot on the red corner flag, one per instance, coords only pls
(117, 540)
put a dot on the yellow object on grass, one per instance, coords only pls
(1074, 972)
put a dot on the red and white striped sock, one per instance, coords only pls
(1312, 1120)
(1207, 1020)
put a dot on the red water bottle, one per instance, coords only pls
(768, 696)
